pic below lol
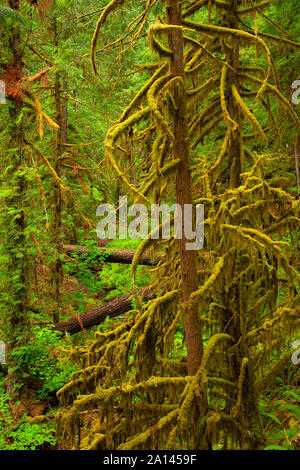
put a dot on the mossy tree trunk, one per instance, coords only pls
(17, 307)
(57, 270)
(233, 109)
(234, 296)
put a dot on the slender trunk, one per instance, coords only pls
(249, 396)
(109, 255)
(191, 320)
(57, 271)
(65, 140)
(233, 109)
(296, 146)
(16, 314)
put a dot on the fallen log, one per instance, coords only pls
(112, 255)
(98, 315)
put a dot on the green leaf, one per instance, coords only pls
(275, 447)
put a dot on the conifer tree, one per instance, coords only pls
(146, 399)
(14, 221)
(205, 128)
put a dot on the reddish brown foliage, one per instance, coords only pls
(43, 6)
(13, 83)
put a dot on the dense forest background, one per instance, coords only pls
(140, 343)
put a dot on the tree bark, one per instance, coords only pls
(191, 319)
(296, 154)
(249, 396)
(57, 229)
(234, 146)
(16, 314)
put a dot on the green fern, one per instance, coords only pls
(8, 15)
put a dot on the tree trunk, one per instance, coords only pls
(112, 255)
(233, 109)
(249, 396)
(56, 269)
(296, 154)
(16, 315)
(191, 319)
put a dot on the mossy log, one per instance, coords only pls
(98, 315)
(112, 255)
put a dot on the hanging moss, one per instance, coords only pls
(131, 379)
